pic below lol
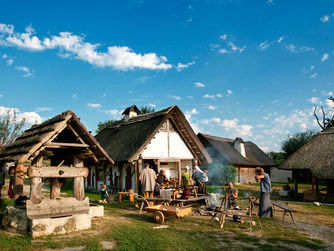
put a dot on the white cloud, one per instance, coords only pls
(30, 117)
(324, 18)
(9, 62)
(292, 48)
(234, 128)
(280, 40)
(188, 114)
(230, 46)
(199, 84)
(223, 37)
(91, 105)
(211, 107)
(112, 112)
(270, 2)
(152, 105)
(264, 45)
(330, 103)
(275, 101)
(325, 56)
(75, 96)
(229, 92)
(25, 69)
(189, 20)
(314, 75)
(181, 66)
(314, 100)
(43, 109)
(219, 95)
(209, 96)
(70, 45)
(325, 93)
(174, 97)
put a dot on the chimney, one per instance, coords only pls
(239, 145)
(130, 112)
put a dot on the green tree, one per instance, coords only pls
(101, 125)
(146, 109)
(220, 174)
(296, 141)
(277, 157)
(10, 128)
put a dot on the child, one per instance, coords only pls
(104, 194)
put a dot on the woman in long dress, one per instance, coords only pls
(265, 209)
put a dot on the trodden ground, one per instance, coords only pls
(123, 228)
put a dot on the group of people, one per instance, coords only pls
(150, 182)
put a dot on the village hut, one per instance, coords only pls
(57, 149)
(164, 139)
(244, 156)
(317, 156)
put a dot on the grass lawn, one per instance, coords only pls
(130, 230)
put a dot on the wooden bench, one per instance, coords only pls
(130, 193)
(285, 208)
(157, 201)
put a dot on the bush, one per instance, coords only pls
(220, 174)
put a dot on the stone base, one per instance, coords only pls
(60, 225)
(96, 211)
(16, 220)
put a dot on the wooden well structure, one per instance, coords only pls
(57, 149)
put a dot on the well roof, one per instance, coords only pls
(31, 142)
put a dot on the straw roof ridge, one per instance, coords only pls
(124, 140)
(317, 155)
(222, 149)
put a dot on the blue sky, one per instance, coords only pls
(253, 69)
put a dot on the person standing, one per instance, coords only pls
(265, 208)
(104, 194)
(197, 175)
(186, 177)
(147, 178)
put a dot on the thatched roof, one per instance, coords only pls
(316, 155)
(125, 140)
(34, 140)
(222, 149)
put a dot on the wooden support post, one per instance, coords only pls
(317, 185)
(179, 172)
(55, 188)
(78, 188)
(78, 182)
(120, 168)
(104, 174)
(295, 180)
(36, 183)
(140, 165)
(19, 176)
(96, 178)
(158, 165)
(136, 177)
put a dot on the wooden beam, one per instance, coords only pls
(61, 144)
(179, 171)
(55, 208)
(36, 182)
(57, 172)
